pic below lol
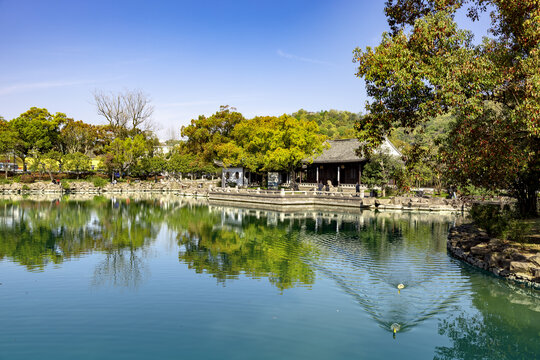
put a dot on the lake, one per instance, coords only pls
(171, 277)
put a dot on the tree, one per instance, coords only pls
(121, 155)
(380, 169)
(77, 162)
(128, 113)
(7, 142)
(48, 162)
(180, 163)
(492, 89)
(37, 130)
(154, 165)
(78, 137)
(334, 124)
(206, 134)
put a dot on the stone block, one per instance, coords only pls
(481, 249)
(520, 267)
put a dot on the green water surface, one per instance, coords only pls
(173, 278)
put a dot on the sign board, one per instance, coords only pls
(273, 180)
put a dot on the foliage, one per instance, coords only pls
(380, 169)
(36, 130)
(334, 124)
(66, 184)
(99, 182)
(77, 162)
(122, 154)
(206, 134)
(492, 89)
(490, 218)
(499, 222)
(79, 137)
(26, 179)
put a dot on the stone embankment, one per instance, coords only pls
(193, 188)
(466, 242)
(291, 200)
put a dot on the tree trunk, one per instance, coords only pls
(528, 201)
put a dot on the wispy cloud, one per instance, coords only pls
(22, 87)
(300, 58)
(41, 85)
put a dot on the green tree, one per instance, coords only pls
(7, 142)
(38, 130)
(334, 124)
(206, 134)
(154, 165)
(122, 154)
(380, 169)
(78, 137)
(291, 141)
(77, 162)
(48, 162)
(432, 67)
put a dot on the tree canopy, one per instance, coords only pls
(430, 67)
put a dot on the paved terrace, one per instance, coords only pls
(311, 200)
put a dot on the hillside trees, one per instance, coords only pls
(492, 89)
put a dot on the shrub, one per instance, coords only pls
(25, 187)
(65, 184)
(98, 181)
(27, 179)
(490, 218)
(4, 181)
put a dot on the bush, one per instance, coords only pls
(4, 181)
(27, 179)
(490, 218)
(25, 187)
(99, 182)
(65, 184)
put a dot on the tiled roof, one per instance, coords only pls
(340, 151)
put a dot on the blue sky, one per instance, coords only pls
(190, 57)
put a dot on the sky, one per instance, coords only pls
(262, 57)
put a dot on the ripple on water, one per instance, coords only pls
(371, 275)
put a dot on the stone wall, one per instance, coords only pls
(466, 242)
(188, 187)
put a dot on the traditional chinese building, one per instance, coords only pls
(340, 163)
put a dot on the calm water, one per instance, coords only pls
(168, 278)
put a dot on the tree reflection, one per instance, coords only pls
(253, 248)
(506, 324)
(36, 233)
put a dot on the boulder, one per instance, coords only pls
(481, 249)
(521, 267)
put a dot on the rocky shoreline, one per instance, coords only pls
(194, 188)
(504, 259)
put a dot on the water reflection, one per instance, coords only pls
(365, 254)
(503, 327)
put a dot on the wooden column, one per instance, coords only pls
(338, 173)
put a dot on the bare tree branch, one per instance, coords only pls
(127, 112)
